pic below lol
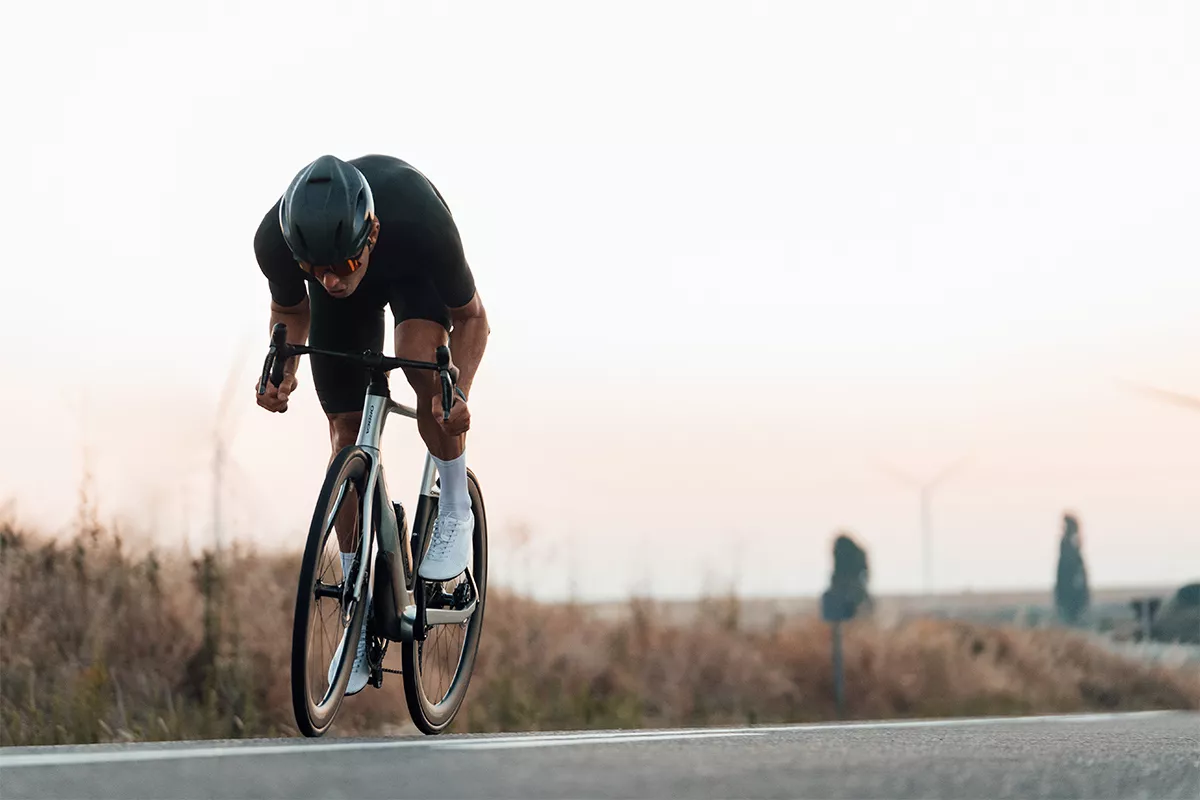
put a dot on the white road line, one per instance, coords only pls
(817, 727)
(607, 738)
(142, 753)
(139, 753)
(552, 739)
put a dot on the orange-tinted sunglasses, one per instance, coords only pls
(342, 269)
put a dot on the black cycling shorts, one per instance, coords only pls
(354, 324)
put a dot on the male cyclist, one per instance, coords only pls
(366, 233)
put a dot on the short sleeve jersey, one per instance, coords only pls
(418, 246)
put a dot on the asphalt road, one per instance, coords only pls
(1150, 755)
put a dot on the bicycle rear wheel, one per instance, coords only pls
(437, 670)
(323, 598)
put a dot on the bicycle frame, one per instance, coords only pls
(405, 617)
(398, 600)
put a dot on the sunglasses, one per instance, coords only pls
(343, 269)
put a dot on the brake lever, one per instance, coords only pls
(273, 366)
(444, 368)
(278, 364)
(266, 370)
(447, 394)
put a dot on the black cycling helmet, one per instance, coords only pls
(325, 214)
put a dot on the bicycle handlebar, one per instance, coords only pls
(280, 351)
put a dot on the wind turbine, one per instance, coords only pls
(926, 487)
(224, 428)
(211, 447)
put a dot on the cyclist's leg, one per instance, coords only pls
(350, 324)
(422, 324)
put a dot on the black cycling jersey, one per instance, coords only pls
(418, 241)
(417, 267)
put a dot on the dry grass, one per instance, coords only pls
(98, 643)
(553, 668)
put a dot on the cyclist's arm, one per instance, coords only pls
(289, 295)
(296, 318)
(455, 284)
(440, 249)
(468, 340)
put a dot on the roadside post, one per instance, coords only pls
(836, 610)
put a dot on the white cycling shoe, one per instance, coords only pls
(360, 673)
(450, 547)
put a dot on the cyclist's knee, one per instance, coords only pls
(343, 429)
(422, 382)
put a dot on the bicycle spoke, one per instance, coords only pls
(440, 656)
(328, 611)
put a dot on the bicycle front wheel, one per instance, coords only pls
(326, 613)
(437, 670)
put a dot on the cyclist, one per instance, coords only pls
(365, 233)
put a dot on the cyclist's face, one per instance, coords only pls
(341, 280)
(340, 285)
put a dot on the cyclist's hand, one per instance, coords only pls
(460, 415)
(276, 397)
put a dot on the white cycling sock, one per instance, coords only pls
(453, 476)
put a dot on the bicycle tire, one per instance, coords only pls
(314, 719)
(434, 718)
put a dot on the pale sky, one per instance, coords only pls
(734, 256)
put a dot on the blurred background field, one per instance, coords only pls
(107, 641)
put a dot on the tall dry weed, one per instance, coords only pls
(103, 641)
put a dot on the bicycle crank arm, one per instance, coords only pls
(440, 616)
(445, 616)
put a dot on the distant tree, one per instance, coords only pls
(1071, 594)
(851, 574)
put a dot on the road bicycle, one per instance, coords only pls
(382, 582)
